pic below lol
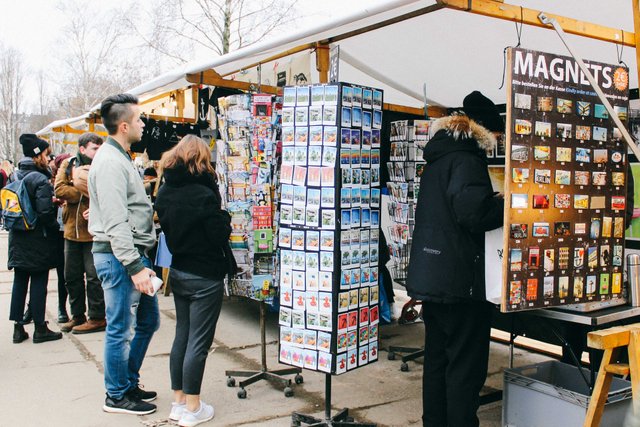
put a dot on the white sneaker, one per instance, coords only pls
(202, 415)
(176, 411)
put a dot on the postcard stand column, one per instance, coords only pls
(329, 231)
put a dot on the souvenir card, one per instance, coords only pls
(299, 175)
(375, 176)
(345, 117)
(299, 195)
(363, 335)
(618, 227)
(356, 272)
(607, 223)
(313, 240)
(325, 302)
(597, 202)
(301, 116)
(600, 112)
(543, 129)
(356, 176)
(329, 115)
(604, 284)
(324, 322)
(544, 104)
(341, 345)
(343, 301)
(616, 260)
(286, 174)
(519, 231)
(374, 275)
(621, 112)
(374, 295)
(549, 260)
(286, 295)
(315, 140)
(523, 127)
(285, 355)
(347, 95)
(542, 176)
(591, 285)
(310, 339)
(580, 228)
(285, 317)
(352, 320)
(355, 158)
(616, 283)
(542, 152)
(286, 258)
(285, 336)
(313, 176)
(330, 93)
(599, 133)
(297, 356)
(563, 130)
(330, 136)
(326, 281)
(600, 156)
(540, 229)
(592, 256)
(310, 359)
(563, 154)
(520, 175)
(298, 260)
(519, 153)
(377, 99)
(324, 341)
(373, 349)
(329, 156)
(345, 197)
(313, 197)
(522, 101)
(363, 357)
(356, 101)
(311, 301)
(345, 219)
(364, 236)
(345, 158)
(299, 303)
(547, 287)
(578, 287)
(346, 262)
(356, 117)
(289, 96)
(374, 236)
(364, 297)
(366, 175)
(563, 258)
(289, 238)
(605, 256)
(583, 108)
(345, 276)
(288, 116)
(302, 95)
(353, 299)
(312, 282)
(562, 228)
(534, 257)
(374, 314)
(286, 278)
(540, 201)
(288, 156)
(315, 118)
(617, 203)
(367, 120)
(564, 106)
(563, 177)
(515, 292)
(583, 133)
(365, 197)
(302, 136)
(366, 139)
(367, 217)
(355, 138)
(313, 320)
(617, 178)
(356, 199)
(599, 178)
(317, 95)
(328, 218)
(581, 201)
(581, 178)
(375, 197)
(377, 119)
(327, 199)
(375, 138)
(326, 261)
(515, 259)
(563, 286)
(300, 156)
(352, 356)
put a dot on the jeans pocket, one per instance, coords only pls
(103, 270)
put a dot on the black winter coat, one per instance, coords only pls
(196, 228)
(456, 206)
(37, 249)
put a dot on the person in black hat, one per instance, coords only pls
(32, 252)
(455, 208)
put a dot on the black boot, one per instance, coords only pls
(43, 334)
(63, 317)
(19, 334)
(27, 318)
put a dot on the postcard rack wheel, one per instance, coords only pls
(288, 392)
(391, 355)
(231, 382)
(242, 393)
(404, 367)
(299, 379)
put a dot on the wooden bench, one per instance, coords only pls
(612, 340)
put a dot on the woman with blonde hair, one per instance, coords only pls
(197, 232)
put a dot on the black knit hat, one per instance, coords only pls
(32, 145)
(483, 111)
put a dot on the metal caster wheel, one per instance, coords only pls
(404, 367)
(391, 356)
(288, 392)
(231, 382)
(298, 379)
(242, 394)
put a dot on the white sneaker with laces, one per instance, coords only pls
(202, 415)
(176, 411)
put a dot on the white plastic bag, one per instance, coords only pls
(493, 252)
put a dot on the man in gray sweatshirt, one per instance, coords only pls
(121, 222)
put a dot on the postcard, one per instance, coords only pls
(591, 285)
(547, 287)
(515, 291)
(302, 116)
(345, 117)
(356, 117)
(302, 95)
(515, 259)
(315, 135)
(326, 281)
(594, 230)
(288, 135)
(616, 283)
(329, 115)
(289, 96)
(299, 195)
(302, 136)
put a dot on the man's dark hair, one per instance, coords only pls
(89, 137)
(150, 172)
(115, 109)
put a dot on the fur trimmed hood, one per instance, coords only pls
(460, 127)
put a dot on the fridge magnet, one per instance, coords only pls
(605, 256)
(540, 229)
(547, 287)
(563, 286)
(563, 154)
(599, 178)
(600, 112)
(618, 227)
(542, 152)
(617, 178)
(616, 283)
(515, 292)
(617, 135)
(591, 285)
(563, 258)
(330, 135)
(580, 201)
(544, 104)
(583, 108)
(520, 175)
(583, 133)
(563, 130)
(534, 257)
(617, 203)
(543, 129)
(542, 176)
(540, 201)
(592, 256)
(289, 96)
(580, 228)
(578, 287)
(518, 231)
(583, 155)
(523, 127)
(563, 177)
(616, 260)
(515, 259)
(607, 225)
(301, 116)
(564, 106)
(519, 153)
(617, 157)
(522, 101)
(562, 229)
(581, 178)
(302, 95)
(594, 230)
(519, 201)
(600, 156)
(621, 112)
(599, 133)
(329, 115)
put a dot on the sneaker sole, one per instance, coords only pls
(151, 399)
(197, 422)
(90, 331)
(113, 410)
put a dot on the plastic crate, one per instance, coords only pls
(554, 394)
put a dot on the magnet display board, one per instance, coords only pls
(565, 182)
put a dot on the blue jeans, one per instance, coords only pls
(132, 318)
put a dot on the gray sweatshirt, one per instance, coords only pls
(121, 215)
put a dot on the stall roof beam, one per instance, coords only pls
(500, 10)
(212, 78)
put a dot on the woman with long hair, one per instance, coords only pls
(32, 252)
(197, 232)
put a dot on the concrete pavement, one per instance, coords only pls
(60, 383)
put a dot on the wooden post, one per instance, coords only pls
(322, 62)
(636, 29)
(180, 102)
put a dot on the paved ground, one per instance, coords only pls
(61, 384)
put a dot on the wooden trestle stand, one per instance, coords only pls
(264, 374)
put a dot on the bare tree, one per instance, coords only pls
(219, 26)
(12, 114)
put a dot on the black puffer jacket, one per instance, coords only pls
(37, 249)
(455, 208)
(196, 228)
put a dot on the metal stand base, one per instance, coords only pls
(413, 354)
(274, 376)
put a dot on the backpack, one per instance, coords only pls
(17, 210)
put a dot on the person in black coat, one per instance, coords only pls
(455, 208)
(197, 232)
(32, 253)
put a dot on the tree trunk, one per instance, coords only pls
(226, 33)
